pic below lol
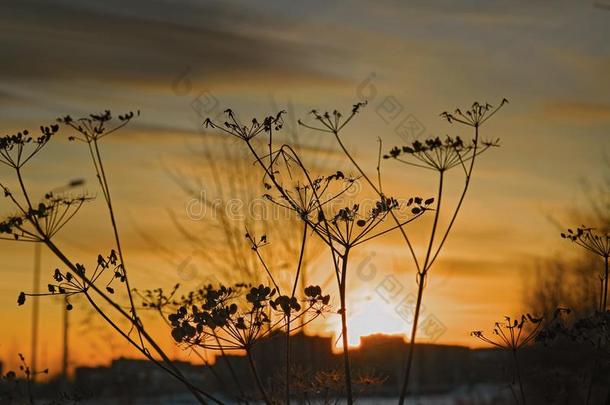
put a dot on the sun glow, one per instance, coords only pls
(368, 316)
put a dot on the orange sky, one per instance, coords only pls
(551, 59)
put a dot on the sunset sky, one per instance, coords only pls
(412, 61)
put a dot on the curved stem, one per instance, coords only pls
(420, 291)
(104, 184)
(428, 262)
(439, 197)
(171, 367)
(380, 193)
(462, 196)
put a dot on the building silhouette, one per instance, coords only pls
(437, 368)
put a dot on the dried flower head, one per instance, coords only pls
(308, 196)
(237, 317)
(42, 221)
(589, 238)
(349, 226)
(332, 122)
(475, 116)
(68, 284)
(17, 149)
(96, 126)
(244, 132)
(512, 334)
(440, 155)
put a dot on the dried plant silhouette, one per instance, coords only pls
(219, 181)
(224, 320)
(250, 304)
(432, 154)
(237, 317)
(597, 243)
(314, 199)
(513, 335)
(223, 193)
(20, 389)
(592, 329)
(41, 222)
(574, 282)
(577, 284)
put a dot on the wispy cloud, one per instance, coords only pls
(147, 43)
(579, 112)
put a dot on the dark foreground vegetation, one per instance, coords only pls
(555, 356)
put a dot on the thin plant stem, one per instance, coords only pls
(380, 193)
(288, 360)
(294, 287)
(428, 265)
(30, 394)
(106, 188)
(229, 366)
(346, 359)
(600, 307)
(211, 369)
(420, 291)
(340, 279)
(435, 223)
(605, 306)
(44, 235)
(462, 196)
(257, 378)
(89, 284)
(518, 373)
(512, 390)
(173, 370)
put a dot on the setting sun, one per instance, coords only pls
(369, 316)
(221, 202)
